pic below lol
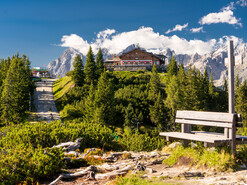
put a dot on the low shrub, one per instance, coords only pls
(132, 140)
(241, 156)
(50, 134)
(217, 159)
(91, 160)
(98, 151)
(25, 163)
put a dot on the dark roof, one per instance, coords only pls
(132, 50)
(155, 55)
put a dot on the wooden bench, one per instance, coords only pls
(214, 119)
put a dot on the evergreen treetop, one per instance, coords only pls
(90, 68)
(154, 84)
(100, 63)
(78, 73)
(172, 67)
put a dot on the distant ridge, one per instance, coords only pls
(214, 61)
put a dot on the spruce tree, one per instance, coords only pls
(191, 95)
(223, 98)
(15, 94)
(211, 102)
(154, 84)
(181, 86)
(78, 74)
(129, 115)
(158, 113)
(104, 99)
(237, 82)
(89, 110)
(100, 63)
(172, 67)
(173, 95)
(90, 68)
(205, 90)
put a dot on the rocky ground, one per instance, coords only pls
(149, 164)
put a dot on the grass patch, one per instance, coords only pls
(218, 159)
(136, 179)
(62, 86)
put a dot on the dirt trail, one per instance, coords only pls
(44, 101)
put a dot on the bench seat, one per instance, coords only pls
(219, 139)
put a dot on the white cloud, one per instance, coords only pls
(197, 30)
(225, 16)
(242, 3)
(76, 42)
(223, 41)
(177, 28)
(146, 38)
(105, 33)
(231, 6)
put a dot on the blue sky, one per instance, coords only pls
(37, 27)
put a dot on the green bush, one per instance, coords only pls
(132, 140)
(22, 148)
(71, 112)
(25, 163)
(98, 151)
(50, 134)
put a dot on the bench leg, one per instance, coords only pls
(205, 144)
(226, 132)
(167, 138)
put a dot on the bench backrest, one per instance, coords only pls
(216, 119)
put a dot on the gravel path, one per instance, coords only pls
(44, 101)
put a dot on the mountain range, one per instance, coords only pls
(214, 61)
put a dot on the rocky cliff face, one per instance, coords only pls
(214, 61)
(64, 63)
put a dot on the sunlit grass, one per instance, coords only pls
(62, 86)
(216, 159)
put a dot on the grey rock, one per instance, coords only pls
(175, 144)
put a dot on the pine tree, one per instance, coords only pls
(90, 68)
(191, 95)
(205, 90)
(78, 73)
(129, 115)
(89, 111)
(223, 98)
(157, 113)
(173, 95)
(15, 94)
(237, 82)
(154, 84)
(181, 86)
(100, 63)
(172, 67)
(104, 99)
(211, 92)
